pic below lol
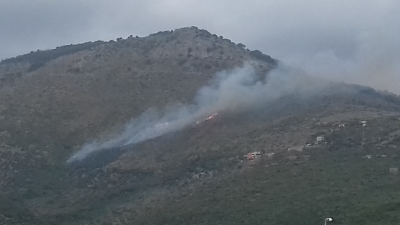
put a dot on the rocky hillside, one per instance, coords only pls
(60, 98)
(332, 152)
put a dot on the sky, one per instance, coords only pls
(354, 41)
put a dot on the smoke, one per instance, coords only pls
(375, 62)
(234, 91)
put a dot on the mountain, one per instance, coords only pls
(321, 149)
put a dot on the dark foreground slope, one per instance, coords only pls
(198, 175)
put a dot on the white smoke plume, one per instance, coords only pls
(375, 62)
(240, 89)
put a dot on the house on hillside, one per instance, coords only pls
(270, 154)
(367, 157)
(320, 138)
(253, 155)
(308, 145)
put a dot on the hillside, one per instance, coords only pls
(53, 102)
(107, 84)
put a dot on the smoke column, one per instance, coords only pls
(375, 62)
(240, 89)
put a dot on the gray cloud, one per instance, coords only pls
(309, 32)
(32, 25)
(375, 62)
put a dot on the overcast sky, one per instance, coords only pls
(350, 40)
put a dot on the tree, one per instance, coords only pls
(240, 45)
